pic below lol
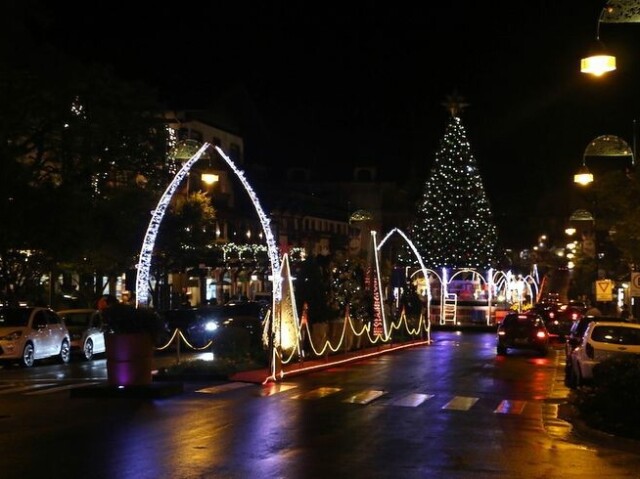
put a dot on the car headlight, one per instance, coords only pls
(12, 336)
(210, 326)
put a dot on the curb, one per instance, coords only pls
(568, 413)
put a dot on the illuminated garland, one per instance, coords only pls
(241, 249)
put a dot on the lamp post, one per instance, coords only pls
(605, 146)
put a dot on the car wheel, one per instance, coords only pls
(65, 352)
(502, 351)
(28, 356)
(88, 350)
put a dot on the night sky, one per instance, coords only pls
(363, 84)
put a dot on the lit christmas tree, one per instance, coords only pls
(454, 224)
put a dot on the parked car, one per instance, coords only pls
(241, 326)
(28, 334)
(573, 339)
(86, 329)
(197, 325)
(523, 331)
(600, 341)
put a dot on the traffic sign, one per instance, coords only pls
(604, 290)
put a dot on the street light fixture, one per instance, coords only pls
(602, 146)
(599, 61)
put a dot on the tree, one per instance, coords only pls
(82, 162)
(454, 224)
(618, 221)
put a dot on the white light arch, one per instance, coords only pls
(148, 243)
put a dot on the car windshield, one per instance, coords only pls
(14, 316)
(76, 319)
(616, 335)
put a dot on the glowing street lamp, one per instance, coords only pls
(602, 146)
(599, 61)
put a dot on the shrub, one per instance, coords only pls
(611, 403)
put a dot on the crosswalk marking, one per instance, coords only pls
(316, 393)
(508, 406)
(62, 388)
(364, 397)
(25, 388)
(460, 403)
(275, 388)
(411, 400)
(222, 388)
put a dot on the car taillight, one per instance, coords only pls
(589, 351)
(541, 334)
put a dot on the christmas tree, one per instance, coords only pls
(454, 224)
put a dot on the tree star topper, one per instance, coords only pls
(455, 103)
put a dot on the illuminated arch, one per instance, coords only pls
(148, 243)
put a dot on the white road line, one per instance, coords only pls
(223, 387)
(460, 403)
(411, 400)
(61, 388)
(364, 397)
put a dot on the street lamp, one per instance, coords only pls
(599, 61)
(602, 146)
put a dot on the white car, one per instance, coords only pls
(28, 334)
(600, 341)
(86, 328)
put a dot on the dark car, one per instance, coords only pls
(197, 325)
(233, 328)
(557, 318)
(242, 324)
(523, 331)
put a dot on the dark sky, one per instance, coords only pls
(362, 83)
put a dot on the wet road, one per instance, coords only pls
(452, 409)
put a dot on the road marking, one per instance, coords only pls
(460, 403)
(275, 388)
(26, 388)
(223, 387)
(364, 397)
(61, 388)
(411, 400)
(316, 393)
(508, 406)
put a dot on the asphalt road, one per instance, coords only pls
(452, 409)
